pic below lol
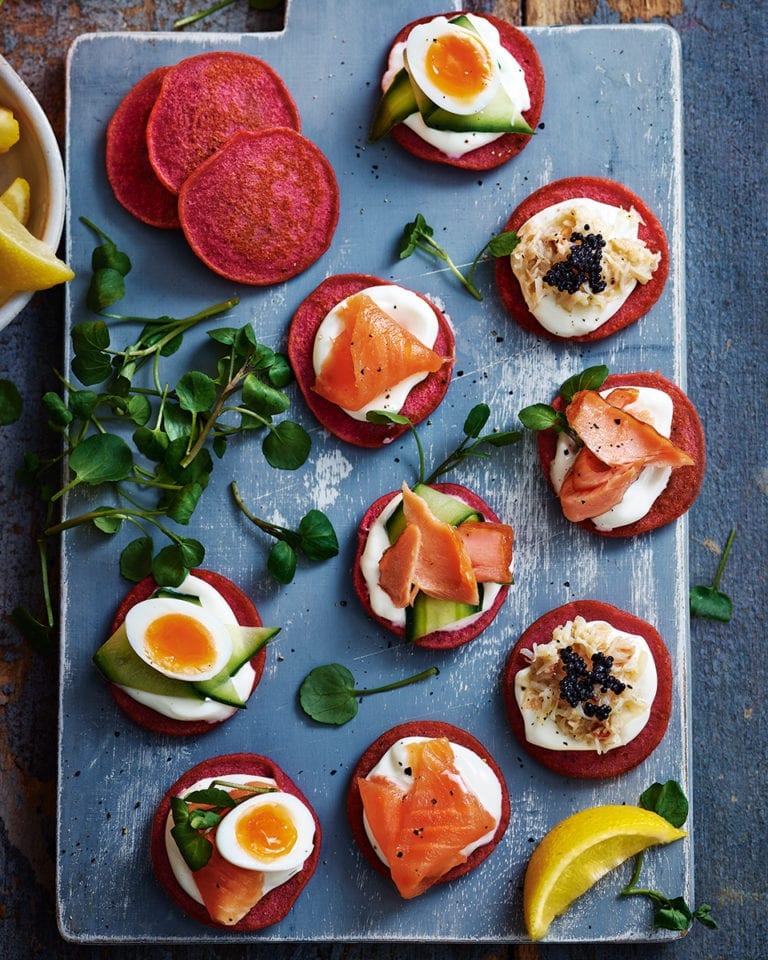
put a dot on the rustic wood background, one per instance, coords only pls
(724, 73)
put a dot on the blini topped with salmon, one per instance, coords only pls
(235, 841)
(359, 343)
(426, 803)
(624, 458)
(433, 564)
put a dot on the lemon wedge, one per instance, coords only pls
(17, 198)
(27, 263)
(580, 850)
(9, 129)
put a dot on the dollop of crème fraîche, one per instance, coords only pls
(590, 687)
(578, 261)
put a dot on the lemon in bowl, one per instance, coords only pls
(32, 198)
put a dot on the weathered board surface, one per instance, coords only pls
(613, 109)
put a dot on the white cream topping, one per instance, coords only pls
(408, 309)
(184, 876)
(182, 708)
(476, 776)
(654, 407)
(511, 76)
(382, 606)
(545, 239)
(552, 723)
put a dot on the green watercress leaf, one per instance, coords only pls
(10, 403)
(318, 538)
(286, 446)
(328, 693)
(196, 392)
(136, 559)
(281, 562)
(668, 800)
(592, 378)
(101, 458)
(59, 414)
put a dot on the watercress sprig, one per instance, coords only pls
(314, 537)
(200, 811)
(469, 447)
(671, 913)
(328, 693)
(709, 601)
(419, 235)
(149, 442)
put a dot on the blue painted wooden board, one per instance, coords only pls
(612, 108)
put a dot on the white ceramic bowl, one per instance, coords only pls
(37, 158)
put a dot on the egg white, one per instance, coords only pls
(416, 47)
(293, 860)
(141, 616)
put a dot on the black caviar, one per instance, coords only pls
(582, 265)
(578, 684)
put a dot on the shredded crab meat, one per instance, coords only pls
(546, 670)
(625, 260)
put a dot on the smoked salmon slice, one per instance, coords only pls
(618, 438)
(423, 832)
(436, 562)
(228, 892)
(617, 447)
(489, 546)
(398, 565)
(371, 354)
(591, 487)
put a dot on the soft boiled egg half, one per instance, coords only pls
(452, 66)
(178, 638)
(269, 832)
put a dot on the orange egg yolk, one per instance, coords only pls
(459, 66)
(177, 642)
(266, 832)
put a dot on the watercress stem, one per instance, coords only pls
(437, 250)
(194, 17)
(273, 529)
(723, 559)
(431, 672)
(216, 409)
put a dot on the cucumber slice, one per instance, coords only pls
(118, 662)
(176, 595)
(444, 507)
(397, 103)
(462, 20)
(428, 614)
(246, 643)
